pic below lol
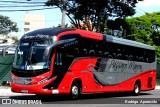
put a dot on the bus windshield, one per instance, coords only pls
(30, 55)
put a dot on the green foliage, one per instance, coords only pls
(15, 39)
(7, 26)
(158, 54)
(59, 25)
(66, 26)
(98, 11)
(145, 29)
(117, 24)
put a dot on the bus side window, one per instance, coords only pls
(147, 60)
(137, 58)
(106, 54)
(85, 47)
(99, 49)
(100, 53)
(126, 57)
(119, 53)
(84, 51)
(92, 52)
(131, 58)
(114, 55)
(106, 50)
(151, 56)
(76, 51)
(141, 59)
(58, 58)
(148, 56)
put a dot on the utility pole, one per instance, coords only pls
(63, 14)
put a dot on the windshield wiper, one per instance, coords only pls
(29, 56)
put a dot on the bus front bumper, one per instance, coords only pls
(33, 88)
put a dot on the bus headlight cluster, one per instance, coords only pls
(22, 81)
(44, 80)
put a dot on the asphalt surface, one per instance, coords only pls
(95, 100)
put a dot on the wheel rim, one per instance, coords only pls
(75, 91)
(136, 89)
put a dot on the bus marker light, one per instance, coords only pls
(55, 91)
(45, 89)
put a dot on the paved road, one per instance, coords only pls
(148, 97)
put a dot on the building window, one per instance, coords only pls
(27, 23)
(26, 29)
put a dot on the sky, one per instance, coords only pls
(147, 6)
(53, 16)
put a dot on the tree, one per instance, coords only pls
(139, 29)
(7, 26)
(118, 24)
(145, 29)
(66, 26)
(98, 11)
(15, 39)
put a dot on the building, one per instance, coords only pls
(33, 22)
(6, 39)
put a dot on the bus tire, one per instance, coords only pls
(75, 91)
(137, 88)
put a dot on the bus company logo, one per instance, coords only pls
(35, 36)
(24, 81)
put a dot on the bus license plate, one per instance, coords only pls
(24, 91)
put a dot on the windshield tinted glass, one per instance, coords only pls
(30, 55)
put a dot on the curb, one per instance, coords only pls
(6, 91)
(157, 87)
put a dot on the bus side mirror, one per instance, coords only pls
(4, 50)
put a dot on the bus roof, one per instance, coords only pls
(45, 31)
(110, 38)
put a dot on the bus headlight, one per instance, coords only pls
(12, 78)
(54, 38)
(44, 80)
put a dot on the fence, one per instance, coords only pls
(5, 67)
(158, 74)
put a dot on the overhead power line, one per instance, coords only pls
(141, 9)
(2, 1)
(4, 6)
(26, 9)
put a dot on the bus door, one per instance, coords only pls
(65, 55)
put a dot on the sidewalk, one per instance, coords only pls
(158, 87)
(6, 91)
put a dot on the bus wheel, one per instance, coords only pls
(137, 88)
(75, 91)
